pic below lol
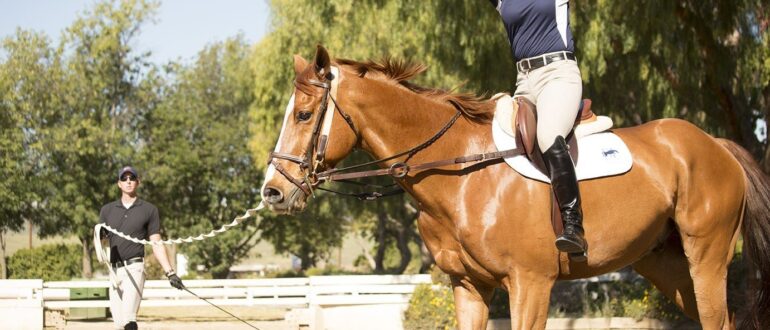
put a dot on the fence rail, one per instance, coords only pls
(315, 300)
(288, 292)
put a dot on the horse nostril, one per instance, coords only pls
(272, 195)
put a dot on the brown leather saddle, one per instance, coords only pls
(525, 126)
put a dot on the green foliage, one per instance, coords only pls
(72, 113)
(310, 236)
(363, 30)
(430, 307)
(24, 75)
(329, 270)
(704, 61)
(80, 103)
(199, 171)
(51, 262)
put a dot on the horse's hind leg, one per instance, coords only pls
(471, 303)
(709, 227)
(667, 268)
(709, 257)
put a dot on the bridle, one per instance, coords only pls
(309, 163)
(312, 161)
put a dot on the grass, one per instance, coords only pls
(20, 240)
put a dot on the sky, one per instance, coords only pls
(182, 28)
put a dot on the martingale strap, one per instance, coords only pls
(399, 169)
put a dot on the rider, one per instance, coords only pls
(549, 77)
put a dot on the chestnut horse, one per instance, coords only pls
(675, 216)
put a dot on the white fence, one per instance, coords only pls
(21, 304)
(319, 301)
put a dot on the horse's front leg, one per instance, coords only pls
(471, 303)
(529, 295)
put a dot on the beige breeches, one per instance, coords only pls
(556, 89)
(125, 299)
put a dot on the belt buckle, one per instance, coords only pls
(521, 65)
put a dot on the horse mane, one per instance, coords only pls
(476, 108)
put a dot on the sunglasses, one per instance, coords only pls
(128, 178)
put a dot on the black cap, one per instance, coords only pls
(127, 169)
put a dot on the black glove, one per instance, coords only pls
(175, 280)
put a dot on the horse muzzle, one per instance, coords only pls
(280, 202)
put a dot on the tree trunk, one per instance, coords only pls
(425, 257)
(365, 251)
(381, 242)
(306, 258)
(307, 262)
(402, 242)
(3, 265)
(87, 266)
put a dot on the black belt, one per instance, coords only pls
(532, 63)
(127, 262)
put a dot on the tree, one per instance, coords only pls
(668, 61)
(376, 29)
(25, 77)
(704, 61)
(199, 171)
(101, 98)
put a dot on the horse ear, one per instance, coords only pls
(322, 62)
(299, 64)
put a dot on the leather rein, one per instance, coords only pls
(309, 164)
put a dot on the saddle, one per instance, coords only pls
(523, 126)
(522, 114)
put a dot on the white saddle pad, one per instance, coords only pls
(600, 154)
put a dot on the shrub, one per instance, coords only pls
(329, 270)
(431, 306)
(51, 262)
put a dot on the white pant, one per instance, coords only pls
(556, 89)
(125, 299)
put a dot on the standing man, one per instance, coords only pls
(139, 219)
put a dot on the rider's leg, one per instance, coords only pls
(557, 106)
(565, 187)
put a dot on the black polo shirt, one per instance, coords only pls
(140, 221)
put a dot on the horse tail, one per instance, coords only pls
(756, 233)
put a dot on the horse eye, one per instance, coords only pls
(304, 115)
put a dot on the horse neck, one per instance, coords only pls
(395, 119)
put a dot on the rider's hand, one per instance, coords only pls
(175, 280)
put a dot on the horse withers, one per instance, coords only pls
(674, 217)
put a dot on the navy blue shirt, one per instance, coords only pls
(536, 27)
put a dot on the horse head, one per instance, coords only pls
(303, 149)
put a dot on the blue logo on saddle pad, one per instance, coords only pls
(610, 153)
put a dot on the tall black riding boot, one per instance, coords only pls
(565, 187)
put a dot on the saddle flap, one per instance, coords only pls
(526, 124)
